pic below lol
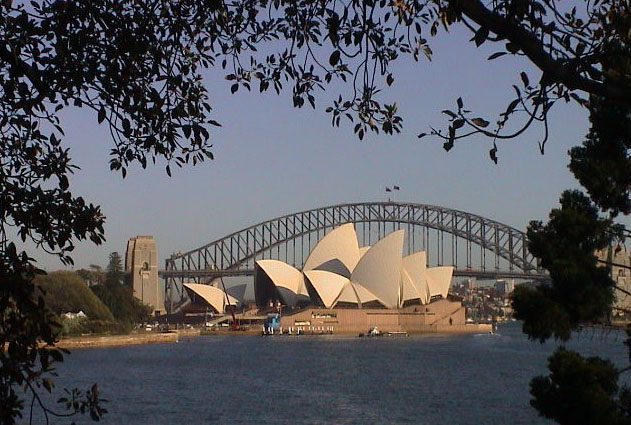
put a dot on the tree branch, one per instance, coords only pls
(611, 263)
(554, 70)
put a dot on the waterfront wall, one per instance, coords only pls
(118, 340)
(439, 316)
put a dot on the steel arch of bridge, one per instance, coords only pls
(231, 255)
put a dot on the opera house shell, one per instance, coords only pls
(339, 274)
(214, 298)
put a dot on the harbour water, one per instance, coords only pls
(423, 379)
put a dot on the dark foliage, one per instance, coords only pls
(66, 292)
(580, 390)
(114, 272)
(120, 300)
(92, 276)
(603, 163)
(135, 64)
(580, 290)
(542, 315)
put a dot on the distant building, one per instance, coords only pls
(141, 266)
(504, 287)
(469, 283)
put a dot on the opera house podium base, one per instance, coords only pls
(441, 316)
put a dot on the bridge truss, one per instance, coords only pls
(476, 246)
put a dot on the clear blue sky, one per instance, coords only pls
(272, 159)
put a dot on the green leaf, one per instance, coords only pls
(101, 114)
(480, 122)
(63, 182)
(48, 384)
(334, 58)
(493, 154)
(511, 107)
(524, 79)
(496, 55)
(480, 36)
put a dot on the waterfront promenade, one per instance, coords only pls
(173, 337)
(118, 340)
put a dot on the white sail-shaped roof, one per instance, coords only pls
(354, 293)
(379, 269)
(339, 244)
(363, 250)
(284, 276)
(214, 296)
(408, 289)
(439, 280)
(364, 295)
(347, 295)
(328, 285)
(415, 265)
(237, 291)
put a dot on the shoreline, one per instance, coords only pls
(173, 337)
(117, 340)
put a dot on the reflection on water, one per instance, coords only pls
(428, 379)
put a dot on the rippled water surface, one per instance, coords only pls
(429, 379)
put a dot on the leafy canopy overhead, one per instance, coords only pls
(137, 66)
(579, 48)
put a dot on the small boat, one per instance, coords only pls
(374, 331)
(401, 333)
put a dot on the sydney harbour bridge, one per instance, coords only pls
(476, 246)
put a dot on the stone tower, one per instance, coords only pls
(141, 265)
(619, 263)
(620, 274)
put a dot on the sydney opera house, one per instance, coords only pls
(346, 288)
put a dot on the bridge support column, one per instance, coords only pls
(141, 265)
